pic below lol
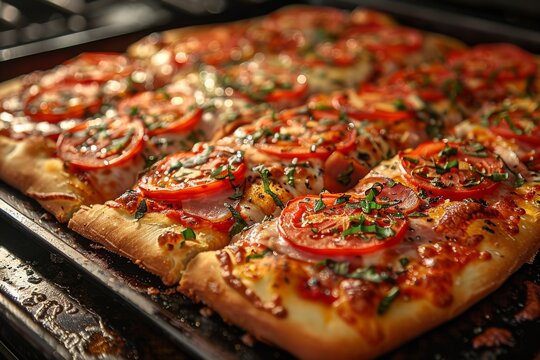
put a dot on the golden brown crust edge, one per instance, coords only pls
(138, 240)
(405, 320)
(29, 166)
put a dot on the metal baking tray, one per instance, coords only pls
(201, 334)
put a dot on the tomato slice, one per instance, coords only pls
(387, 39)
(336, 53)
(432, 82)
(97, 67)
(334, 224)
(97, 144)
(376, 103)
(455, 171)
(294, 29)
(193, 174)
(216, 46)
(163, 112)
(64, 101)
(261, 81)
(297, 134)
(500, 62)
(515, 122)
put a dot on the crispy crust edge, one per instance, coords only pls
(119, 232)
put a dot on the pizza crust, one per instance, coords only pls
(138, 240)
(312, 330)
(29, 166)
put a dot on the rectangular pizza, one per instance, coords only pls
(331, 181)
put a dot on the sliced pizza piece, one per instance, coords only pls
(354, 275)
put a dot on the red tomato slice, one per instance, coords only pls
(294, 134)
(387, 39)
(430, 82)
(64, 101)
(455, 171)
(501, 62)
(97, 144)
(290, 30)
(261, 81)
(193, 174)
(215, 46)
(324, 225)
(336, 53)
(163, 112)
(376, 103)
(97, 67)
(515, 122)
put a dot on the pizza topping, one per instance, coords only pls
(378, 103)
(163, 112)
(453, 170)
(513, 121)
(495, 62)
(261, 81)
(294, 134)
(63, 101)
(97, 67)
(193, 174)
(265, 173)
(99, 143)
(359, 226)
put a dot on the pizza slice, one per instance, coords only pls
(353, 275)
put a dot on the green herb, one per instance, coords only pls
(218, 173)
(404, 262)
(319, 204)
(418, 214)
(341, 268)
(239, 222)
(175, 166)
(342, 199)
(452, 88)
(411, 160)
(345, 177)
(475, 149)
(141, 210)
(188, 234)
(254, 256)
(314, 230)
(448, 151)
(391, 183)
(379, 231)
(446, 167)
(399, 104)
(498, 176)
(385, 303)
(265, 173)
(134, 111)
(238, 193)
(290, 173)
(198, 159)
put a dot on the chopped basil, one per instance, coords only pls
(385, 303)
(399, 104)
(141, 210)
(175, 166)
(446, 167)
(475, 149)
(198, 159)
(290, 172)
(319, 205)
(134, 111)
(218, 173)
(448, 151)
(391, 183)
(188, 234)
(238, 193)
(239, 222)
(370, 274)
(379, 231)
(254, 256)
(411, 160)
(498, 176)
(314, 230)
(404, 262)
(342, 199)
(265, 173)
(418, 214)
